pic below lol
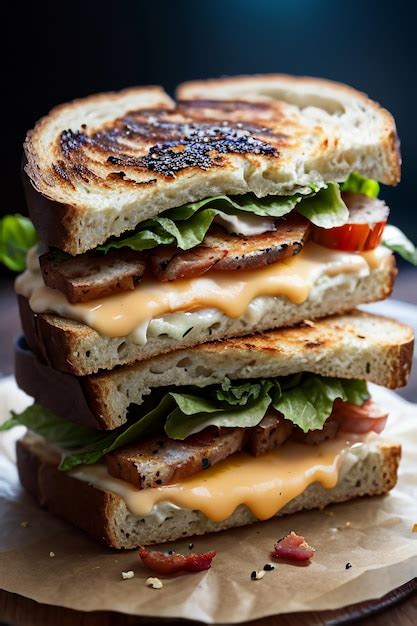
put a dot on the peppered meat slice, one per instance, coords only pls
(160, 461)
(89, 276)
(225, 251)
(270, 433)
(167, 264)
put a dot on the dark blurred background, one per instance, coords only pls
(57, 51)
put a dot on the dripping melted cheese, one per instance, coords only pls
(264, 484)
(228, 292)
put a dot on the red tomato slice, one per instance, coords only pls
(365, 418)
(363, 231)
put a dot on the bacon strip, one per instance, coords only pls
(360, 419)
(293, 547)
(166, 564)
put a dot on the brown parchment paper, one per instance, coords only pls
(374, 535)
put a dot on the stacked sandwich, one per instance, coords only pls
(190, 334)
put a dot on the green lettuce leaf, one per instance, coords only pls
(241, 394)
(187, 225)
(305, 399)
(309, 404)
(269, 206)
(145, 425)
(358, 184)
(17, 236)
(60, 431)
(326, 208)
(396, 241)
(180, 425)
(191, 404)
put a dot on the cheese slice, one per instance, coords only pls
(229, 292)
(264, 484)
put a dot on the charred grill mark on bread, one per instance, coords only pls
(166, 142)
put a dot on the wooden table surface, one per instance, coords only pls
(399, 608)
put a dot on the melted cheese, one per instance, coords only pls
(264, 484)
(229, 292)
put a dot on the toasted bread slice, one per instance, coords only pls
(356, 345)
(73, 347)
(106, 517)
(98, 166)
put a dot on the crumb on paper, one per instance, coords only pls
(155, 583)
(127, 575)
(414, 528)
(348, 524)
(257, 575)
(24, 524)
(52, 554)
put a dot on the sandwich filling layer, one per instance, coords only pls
(146, 310)
(263, 484)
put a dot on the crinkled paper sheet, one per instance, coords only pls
(374, 535)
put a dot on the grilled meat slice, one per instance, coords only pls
(161, 461)
(270, 433)
(168, 264)
(224, 251)
(89, 276)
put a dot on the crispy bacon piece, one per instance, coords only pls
(293, 548)
(165, 564)
(360, 419)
